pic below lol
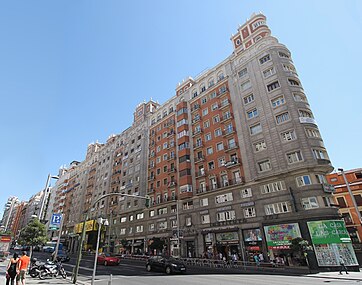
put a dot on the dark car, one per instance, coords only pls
(165, 264)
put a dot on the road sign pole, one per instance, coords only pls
(59, 235)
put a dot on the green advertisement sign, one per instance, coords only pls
(328, 232)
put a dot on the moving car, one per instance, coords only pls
(166, 264)
(107, 259)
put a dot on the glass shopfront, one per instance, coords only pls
(331, 240)
(279, 239)
(253, 242)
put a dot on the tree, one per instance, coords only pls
(33, 234)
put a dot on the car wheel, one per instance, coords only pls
(148, 267)
(105, 263)
(168, 270)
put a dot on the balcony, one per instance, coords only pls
(199, 158)
(200, 173)
(231, 146)
(228, 132)
(233, 162)
(171, 170)
(226, 117)
(224, 103)
(307, 120)
(198, 145)
(171, 184)
(197, 132)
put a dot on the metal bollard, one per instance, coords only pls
(110, 280)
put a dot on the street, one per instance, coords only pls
(133, 272)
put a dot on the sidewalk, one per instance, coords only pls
(82, 280)
(355, 276)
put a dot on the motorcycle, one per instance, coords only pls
(52, 269)
(35, 266)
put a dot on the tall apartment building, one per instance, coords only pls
(9, 214)
(344, 201)
(233, 163)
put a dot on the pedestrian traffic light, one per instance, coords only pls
(147, 203)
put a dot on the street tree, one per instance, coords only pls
(34, 234)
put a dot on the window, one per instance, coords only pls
(309, 203)
(151, 227)
(264, 165)
(293, 82)
(252, 113)
(258, 23)
(248, 99)
(204, 202)
(139, 229)
(216, 119)
(249, 212)
(204, 100)
(341, 202)
(246, 85)
(259, 146)
(321, 179)
(288, 135)
(283, 55)
(358, 199)
(139, 216)
(273, 86)
(213, 95)
(211, 165)
(272, 187)
(209, 150)
(229, 128)
(225, 216)
(245, 193)
(289, 67)
(205, 111)
(205, 219)
(303, 180)
(294, 157)
(162, 225)
(152, 213)
(219, 146)
(319, 154)
(182, 122)
(255, 129)
(269, 72)
(299, 97)
(188, 205)
(282, 118)
(188, 221)
(277, 208)
(224, 198)
(305, 114)
(243, 72)
(264, 59)
(122, 231)
(206, 124)
(218, 132)
(208, 137)
(277, 101)
(214, 106)
(312, 133)
(123, 219)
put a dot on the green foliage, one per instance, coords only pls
(157, 243)
(33, 234)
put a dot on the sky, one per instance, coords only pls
(72, 72)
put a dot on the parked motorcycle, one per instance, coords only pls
(52, 269)
(35, 266)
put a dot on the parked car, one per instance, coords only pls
(108, 259)
(165, 264)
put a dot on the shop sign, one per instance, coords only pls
(252, 235)
(328, 232)
(228, 237)
(247, 204)
(89, 226)
(281, 235)
(328, 188)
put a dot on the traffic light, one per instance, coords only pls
(147, 203)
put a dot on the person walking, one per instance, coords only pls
(11, 269)
(23, 264)
(342, 263)
(256, 259)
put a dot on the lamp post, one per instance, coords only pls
(45, 197)
(100, 222)
(350, 193)
(79, 257)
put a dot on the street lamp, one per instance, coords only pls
(350, 193)
(100, 222)
(45, 197)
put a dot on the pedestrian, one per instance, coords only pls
(256, 259)
(23, 264)
(11, 269)
(342, 263)
(261, 257)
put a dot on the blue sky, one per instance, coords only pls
(72, 72)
